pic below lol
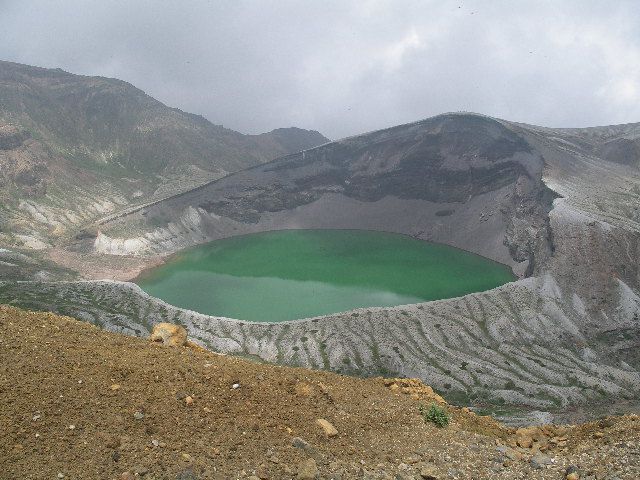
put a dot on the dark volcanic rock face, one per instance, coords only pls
(623, 151)
(12, 137)
(449, 159)
(24, 164)
(463, 169)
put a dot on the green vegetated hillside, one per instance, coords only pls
(75, 147)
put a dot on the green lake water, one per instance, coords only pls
(289, 274)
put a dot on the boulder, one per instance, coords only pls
(329, 429)
(299, 443)
(307, 470)
(572, 473)
(429, 473)
(540, 461)
(169, 334)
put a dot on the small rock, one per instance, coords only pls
(186, 457)
(329, 429)
(155, 442)
(181, 395)
(402, 476)
(115, 387)
(60, 475)
(428, 473)
(412, 459)
(36, 417)
(186, 475)
(508, 452)
(606, 423)
(235, 386)
(262, 472)
(540, 461)
(299, 443)
(422, 450)
(524, 441)
(109, 441)
(559, 440)
(304, 389)
(138, 415)
(72, 427)
(188, 400)
(140, 470)
(307, 469)
(572, 473)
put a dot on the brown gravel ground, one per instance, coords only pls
(80, 403)
(102, 267)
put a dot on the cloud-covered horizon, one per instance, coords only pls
(346, 67)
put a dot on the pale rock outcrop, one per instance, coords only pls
(169, 334)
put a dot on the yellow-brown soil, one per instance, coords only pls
(80, 403)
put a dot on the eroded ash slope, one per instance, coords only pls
(558, 205)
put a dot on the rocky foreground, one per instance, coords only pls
(80, 403)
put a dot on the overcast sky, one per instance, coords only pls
(344, 67)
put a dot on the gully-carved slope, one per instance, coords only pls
(558, 205)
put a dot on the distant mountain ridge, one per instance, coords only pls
(61, 132)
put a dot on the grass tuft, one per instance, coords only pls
(434, 414)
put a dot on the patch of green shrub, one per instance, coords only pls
(434, 414)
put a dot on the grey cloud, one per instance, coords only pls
(344, 67)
